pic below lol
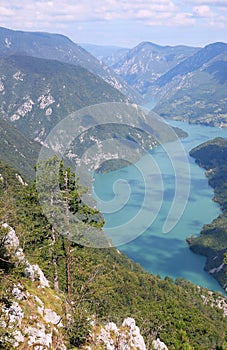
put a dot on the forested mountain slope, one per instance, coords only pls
(17, 150)
(35, 93)
(212, 242)
(195, 90)
(104, 286)
(61, 48)
(147, 62)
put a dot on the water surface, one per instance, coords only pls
(164, 254)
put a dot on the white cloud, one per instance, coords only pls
(53, 13)
(216, 3)
(203, 11)
(184, 18)
(4, 11)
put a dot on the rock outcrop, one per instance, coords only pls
(125, 337)
(29, 322)
(11, 248)
(24, 313)
(159, 345)
(32, 315)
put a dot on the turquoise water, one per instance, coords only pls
(147, 191)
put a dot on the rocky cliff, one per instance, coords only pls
(34, 316)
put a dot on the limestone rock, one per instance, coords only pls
(14, 313)
(19, 178)
(35, 273)
(19, 255)
(106, 339)
(111, 327)
(126, 337)
(159, 345)
(18, 293)
(37, 335)
(12, 248)
(11, 241)
(28, 321)
(18, 337)
(131, 338)
(52, 317)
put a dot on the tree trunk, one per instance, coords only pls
(68, 236)
(55, 262)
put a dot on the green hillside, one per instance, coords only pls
(212, 242)
(59, 47)
(144, 64)
(195, 90)
(105, 284)
(37, 93)
(18, 151)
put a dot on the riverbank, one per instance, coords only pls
(212, 241)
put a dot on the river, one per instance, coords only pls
(161, 253)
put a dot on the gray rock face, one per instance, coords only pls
(18, 293)
(11, 241)
(12, 249)
(38, 328)
(42, 333)
(38, 335)
(159, 345)
(106, 339)
(19, 178)
(18, 337)
(14, 312)
(19, 255)
(35, 273)
(126, 337)
(132, 339)
(52, 317)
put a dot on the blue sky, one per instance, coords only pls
(121, 22)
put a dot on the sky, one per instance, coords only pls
(123, 23)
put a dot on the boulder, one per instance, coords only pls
(130, 337)
(11, 242)
(126, 337)
(37, 335)
(52, 317)
(14, 313)
(159, 345)
(35, 273)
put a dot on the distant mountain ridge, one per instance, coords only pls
(195, 90)
(35, 93)
(194, 62)
(61, 48)
(109, 55)
(144, 64)
(184, 83)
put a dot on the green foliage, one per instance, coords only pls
(212, 241)
(62, 87)
(78, 326)
(9, 274)
(109, 286)
(17, 150)
(201, 98)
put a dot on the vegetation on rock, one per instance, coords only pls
(212, 241)
(105, 284)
